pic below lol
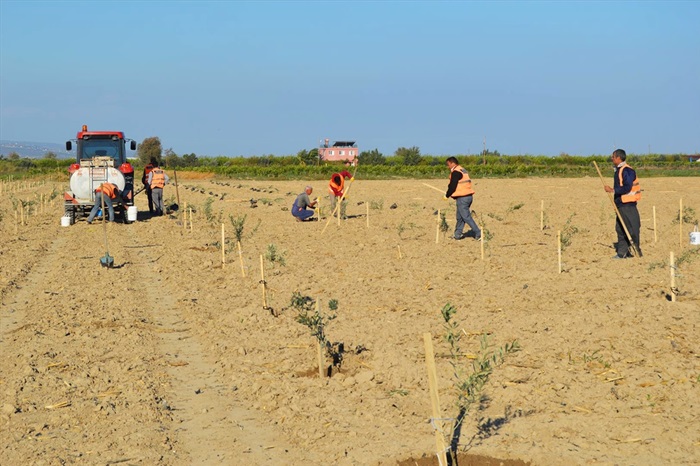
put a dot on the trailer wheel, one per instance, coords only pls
(69, 211)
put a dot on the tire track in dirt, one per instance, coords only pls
(212, 428)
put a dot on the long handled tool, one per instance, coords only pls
(106, 260)
(619, 216)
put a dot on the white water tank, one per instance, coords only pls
(85, 180)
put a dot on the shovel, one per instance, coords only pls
(106, 260)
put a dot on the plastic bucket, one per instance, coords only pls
(695, 237)
(132, 213)
(65, 221)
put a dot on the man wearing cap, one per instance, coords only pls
(299, 208)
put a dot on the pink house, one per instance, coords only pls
(340, 151)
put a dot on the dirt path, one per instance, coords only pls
(211, 425)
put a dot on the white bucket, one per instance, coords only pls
(65, 221)
(132, 213)
(695, 237)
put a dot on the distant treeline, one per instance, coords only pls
(424, 166)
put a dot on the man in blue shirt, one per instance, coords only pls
(627, 193)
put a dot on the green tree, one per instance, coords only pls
(410, 156)
(190, 160)
(51, 155)
(150, 148)
(373, 157)
(308, 157)
(172, 160)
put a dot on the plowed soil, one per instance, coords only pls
(170, 358)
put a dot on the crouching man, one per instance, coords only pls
(299, 208)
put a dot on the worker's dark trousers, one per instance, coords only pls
(630, 215)
(158, 200)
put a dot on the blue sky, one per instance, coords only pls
(253, 78)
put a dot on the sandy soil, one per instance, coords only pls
(170, 358)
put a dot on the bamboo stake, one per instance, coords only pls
(654, 215)
(437, 229)
(619, 216)
(262, 282)
(680, 224)
(319, 352)
(240, 257)
(674, 291)
(440, 443)
(559, 248)
(223, 247)
(541, 215)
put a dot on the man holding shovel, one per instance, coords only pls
(627, 193)
(460, 189)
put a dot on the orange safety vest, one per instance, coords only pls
(146, 170)
(636, 193)
(158, 180)
(464, 186)
(335, 187)
(109, 189)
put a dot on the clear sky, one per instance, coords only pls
(274, 77)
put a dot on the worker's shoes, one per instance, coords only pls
(627, 256)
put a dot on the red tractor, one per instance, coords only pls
(100, 157)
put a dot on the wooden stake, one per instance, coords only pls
(319, 351)
(262, 282)
(482, 243)
(399, 248)
(191, 225)
(240, 257)
(21, 213)
(654, 215)
(541, 215)
(437, 230)
(559, 248)
(433, 187)
(184, 217)
(680, 225)
(16, 222)
(223, 247)
(674, 291)
(440, 443)
(367, 207)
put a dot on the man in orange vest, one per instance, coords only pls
(144, 179)
(106, 192)
(337, 185)
(460, 189)
(627, 193)
(157, 179)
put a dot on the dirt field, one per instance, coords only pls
(170, 358)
